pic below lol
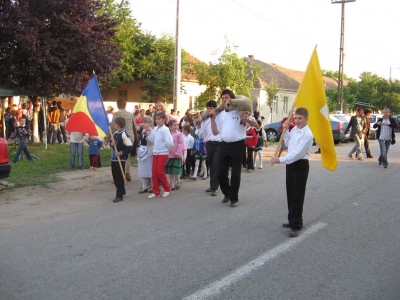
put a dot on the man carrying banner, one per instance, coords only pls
(299, 141)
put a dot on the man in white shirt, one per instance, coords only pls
(232, 149)
(299, 141)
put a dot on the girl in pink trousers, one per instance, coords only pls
(161, 138)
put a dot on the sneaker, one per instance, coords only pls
(172, 188)
(249, 170)
(351, 156)
(209, 190)
(166, 194)
(260, 167)
(360, 158)
(185, 177)
(150, 191)
(234, 204)
(385, 166)
(192, 178)
(91, 169)
(142, 191)
(214, 193)
(95, 169)
(225, 200)
(152, 196)
(178, 186)
(204, 178)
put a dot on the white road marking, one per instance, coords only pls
(216, 287)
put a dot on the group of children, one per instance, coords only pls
(166, 150)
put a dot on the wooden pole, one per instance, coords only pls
(289, 118)
(115, 149)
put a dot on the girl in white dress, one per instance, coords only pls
(144, 156)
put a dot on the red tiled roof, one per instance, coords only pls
(286, 78)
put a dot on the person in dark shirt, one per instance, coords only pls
(22, 133)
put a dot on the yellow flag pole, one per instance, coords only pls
(289, 118)
(119, 161)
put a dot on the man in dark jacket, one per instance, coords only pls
(385, 133)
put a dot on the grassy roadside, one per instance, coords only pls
(54, 159)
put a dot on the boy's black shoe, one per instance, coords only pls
(234, 204)
(225, 200)
(118, 199)
(294, 232)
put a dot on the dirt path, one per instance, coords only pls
(18, 206)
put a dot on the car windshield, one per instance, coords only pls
(342, 119)
(373, 119)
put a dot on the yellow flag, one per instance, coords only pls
(311, 95)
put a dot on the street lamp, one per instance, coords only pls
(341, 55)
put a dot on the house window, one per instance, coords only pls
(123, 95)
(285, 104)
(275, 105)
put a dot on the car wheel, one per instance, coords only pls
(272, 135)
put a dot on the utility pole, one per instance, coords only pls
(177, 61)
(341, 55)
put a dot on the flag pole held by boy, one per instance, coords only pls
(89, 114)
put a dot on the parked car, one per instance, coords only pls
(274, 132)
(372, 131)
(337, 130)
(397, 118)
(5, 164)
(344, 119)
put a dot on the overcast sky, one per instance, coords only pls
(284, 32)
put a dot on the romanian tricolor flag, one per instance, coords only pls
(311, 95)
(89, 115)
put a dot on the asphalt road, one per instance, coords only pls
(72, 242)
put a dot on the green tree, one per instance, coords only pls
(128, 35)
(331, 98)
(348, 96)
(333, 74)
(229, 72)
(156, 67)
(272, 90)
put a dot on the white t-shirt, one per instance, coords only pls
(229, 127)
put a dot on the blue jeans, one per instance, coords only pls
(22, 147)
(61, 133)
(384, 145)
(53, 130)
(73, 147)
